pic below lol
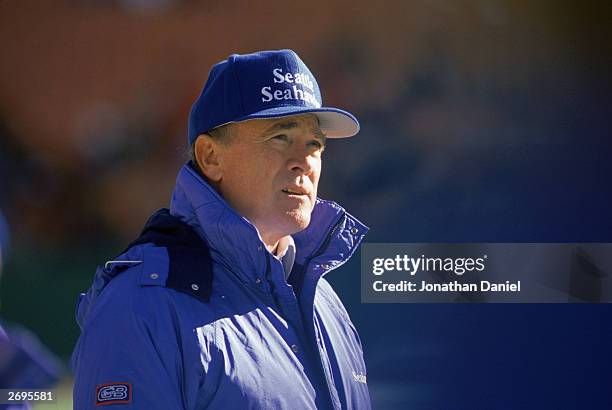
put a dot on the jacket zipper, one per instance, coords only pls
(320, 251)
(300, 273)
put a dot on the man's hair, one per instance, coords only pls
(221, 134)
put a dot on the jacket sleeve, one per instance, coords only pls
(128, 354)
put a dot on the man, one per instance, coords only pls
(221, 302)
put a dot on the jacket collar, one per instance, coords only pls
(234, 241)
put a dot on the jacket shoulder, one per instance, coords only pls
(136, 331)
(118, 282)
(141, 280)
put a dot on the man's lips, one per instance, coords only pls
(295, 190)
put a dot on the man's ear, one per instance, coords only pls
(207, 152)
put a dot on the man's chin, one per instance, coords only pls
(296, 220)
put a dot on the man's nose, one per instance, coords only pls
(301, 161)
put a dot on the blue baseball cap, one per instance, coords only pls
(266, 84)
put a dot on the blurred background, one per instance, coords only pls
(482, 121)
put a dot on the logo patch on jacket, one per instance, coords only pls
(113, 393)
(359, 377)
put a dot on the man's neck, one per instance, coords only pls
(279, 247)
(272, 248)
(271, 241)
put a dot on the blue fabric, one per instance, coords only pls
(266, 84)
(258, 343)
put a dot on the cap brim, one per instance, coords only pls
(334, 122)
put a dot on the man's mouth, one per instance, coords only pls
(294, 191)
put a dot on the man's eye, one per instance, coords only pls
(316, 143)
(280, 137)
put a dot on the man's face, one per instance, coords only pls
(270, 172)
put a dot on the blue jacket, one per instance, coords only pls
(197, 314)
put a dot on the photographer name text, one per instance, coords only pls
(454, 286)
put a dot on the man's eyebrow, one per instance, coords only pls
(281, 126)
(318, 134)
(290, 125)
